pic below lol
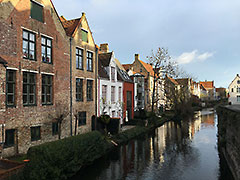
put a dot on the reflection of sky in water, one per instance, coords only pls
(170, 153)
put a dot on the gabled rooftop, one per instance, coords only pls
(70, 26)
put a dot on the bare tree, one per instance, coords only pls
(60, 113)
(162, 64)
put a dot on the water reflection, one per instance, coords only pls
(173, 151)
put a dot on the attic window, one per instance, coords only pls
(36, 11)
(84, 35)
(238, 81)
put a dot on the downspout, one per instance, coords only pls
(96, 83)
(70, 86)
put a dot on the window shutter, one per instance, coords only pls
(36, 11)
(85, 36)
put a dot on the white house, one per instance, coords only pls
(110, 88)
(139, 92)
(234, 91)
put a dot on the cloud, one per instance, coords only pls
(194, 56)
(187, 57)
(205, 56)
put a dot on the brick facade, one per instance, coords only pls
(14, 18)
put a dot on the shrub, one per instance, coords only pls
(113, 126)
(63, 158)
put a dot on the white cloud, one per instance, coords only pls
(204, 56)
(194, 56)
(187, 57)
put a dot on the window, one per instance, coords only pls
(29, 88)
(47, 89)
(36, 11)
(120, 94)
(79, 58)
(140, 69)
(55, 129)
(113, 73)
(113, 94)
(238, 98)
(238, 81)
(89, 61)
(113, 114)
(104, 93)
(10, 88)
(232, 89)
(79, 89)
(89, 90)
(46, 50)
(238, 90)
(84, 35)
(29, 45)
(82, 118)
(35, 133)
(9, 138)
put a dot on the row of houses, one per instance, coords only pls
(55, 80)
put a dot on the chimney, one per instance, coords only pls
(136, 56)
(104, 47)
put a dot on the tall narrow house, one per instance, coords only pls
(34, 78)
(83, 73)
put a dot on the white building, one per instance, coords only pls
(234, 91)
(110, 88)
(139, 92)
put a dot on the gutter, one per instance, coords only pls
(71, 86)
(96, 82)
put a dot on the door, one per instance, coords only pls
(129, 104)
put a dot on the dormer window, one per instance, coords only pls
(84, 35)
(36, 11)
(113, 73)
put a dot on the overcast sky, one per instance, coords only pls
(202, 35)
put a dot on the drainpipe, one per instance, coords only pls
(96, 82)
(70, 86)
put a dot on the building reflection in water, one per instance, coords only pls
(166, 153)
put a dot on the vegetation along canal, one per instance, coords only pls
(186, 151)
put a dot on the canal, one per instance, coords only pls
(186, 151)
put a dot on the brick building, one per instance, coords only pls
(34, 75)
(84, 72)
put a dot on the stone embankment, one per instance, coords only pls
(229, 136)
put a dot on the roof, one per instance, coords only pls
(220, 89)
(148, 67)
(202, 87)
(101, 71)
(183, 81)
(105, 58)
(172, 80)
(120, 66)
(2, 61)
(70, 26)
(123, 75)
(127, 66)
(207, 84)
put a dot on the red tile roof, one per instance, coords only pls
(148, 67)
(127, 66)
(172, 80)
(70, 26)
(207, 84)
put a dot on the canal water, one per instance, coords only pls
(186, 151)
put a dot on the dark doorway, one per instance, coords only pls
(93, 123)
(129, 104)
